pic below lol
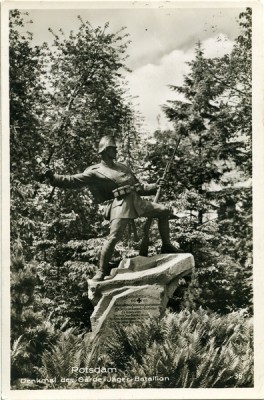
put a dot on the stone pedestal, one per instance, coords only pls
(138, 289)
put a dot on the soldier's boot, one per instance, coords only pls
(105, 257)
(164, 229)
(168, 248)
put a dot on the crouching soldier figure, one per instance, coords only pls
(111, 180)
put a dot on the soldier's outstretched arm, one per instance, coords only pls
(70, 181)
(73, 181)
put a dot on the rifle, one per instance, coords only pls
(145, 241)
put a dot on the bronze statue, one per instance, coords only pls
(111, 180)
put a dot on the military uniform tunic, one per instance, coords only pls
(102, 179)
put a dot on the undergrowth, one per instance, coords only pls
(185, 350)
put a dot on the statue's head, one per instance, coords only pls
(106, 141)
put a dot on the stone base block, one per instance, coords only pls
(138, 289)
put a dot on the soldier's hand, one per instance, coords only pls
(47, 172)
(160, 182)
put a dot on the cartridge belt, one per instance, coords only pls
(123, 190)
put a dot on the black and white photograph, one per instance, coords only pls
(132, 178)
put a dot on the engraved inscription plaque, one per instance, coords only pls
(135, 308)
(136, 305)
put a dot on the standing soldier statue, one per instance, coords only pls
(111, 180)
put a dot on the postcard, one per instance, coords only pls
(132, 187)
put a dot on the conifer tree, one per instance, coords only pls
(211, 173)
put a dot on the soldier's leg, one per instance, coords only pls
(162, 213)
(164, 229)
(117, 229)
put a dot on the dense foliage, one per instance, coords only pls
(211, 174)
(192, 350)
(63, 98)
